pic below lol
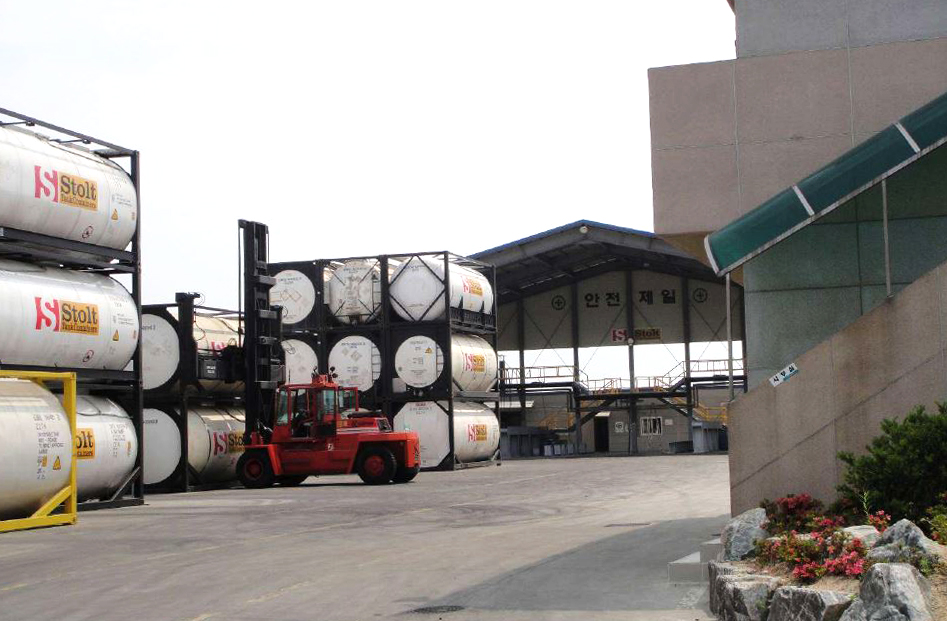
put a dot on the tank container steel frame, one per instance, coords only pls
(186, 392)
(125, 387)
(62, 508)
(389, 330)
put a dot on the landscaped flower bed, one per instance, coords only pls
(877, 549)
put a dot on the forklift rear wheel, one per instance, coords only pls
(255, 470)
(377, 465)
(405, 475)
(293, 481)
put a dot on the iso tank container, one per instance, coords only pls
(161, 350)
(296, 293)
(353, 291)
(350, 290)
(476, 430)
(301, 361)
(419, 362)
(355, 362)
(35, 447)
(215, 443)
(52, 317)
(106, 446)
(417, 289)
(64, 191)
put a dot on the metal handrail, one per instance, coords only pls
(511, 375)
(666, 382)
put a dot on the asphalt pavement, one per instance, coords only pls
(550, 539)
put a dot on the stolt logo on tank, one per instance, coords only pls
(475, 362)
(66, 316)
(66, 188)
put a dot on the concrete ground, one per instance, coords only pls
(557, 539)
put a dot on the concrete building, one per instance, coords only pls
(815, 156)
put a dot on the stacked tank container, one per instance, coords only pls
(194, 412)
(384, 324)
(69, 224)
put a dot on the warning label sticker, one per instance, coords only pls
(49, 442)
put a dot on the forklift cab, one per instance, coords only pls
(311, 410)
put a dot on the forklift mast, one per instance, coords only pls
(263, 355)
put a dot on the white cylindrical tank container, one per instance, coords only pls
(353, 291)
(64, 191)
(35, 447)
(215, 442)
(57, 318)
(106, 446)
(476, 430)
(419, 361)
(161, 353)
(355, 362)
(417, 289)
(295, 293)
(162, 446)
(301, 361)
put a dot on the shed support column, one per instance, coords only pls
(574, 307)
(884, 212)
(521, 347)
(630, 321)
(729, 340)
(686, 308)
(742, 309)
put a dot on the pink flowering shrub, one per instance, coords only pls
(879, 520)
(791, 512)
(824, 550)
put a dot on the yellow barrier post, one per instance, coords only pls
(61, 508)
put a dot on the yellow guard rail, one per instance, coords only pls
(65, 499)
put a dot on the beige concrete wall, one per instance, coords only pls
(785, 439)
(726, 136)
(773, 27)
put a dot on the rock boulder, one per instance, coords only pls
(891, 592)
(805, 604)
(745, 597)
(717, 571)
(741, 533)
(902, 541)
(867, 534)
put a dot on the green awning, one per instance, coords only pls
(820, 193)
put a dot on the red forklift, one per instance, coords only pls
(319, 430)
(300, 430)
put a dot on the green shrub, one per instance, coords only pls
(936, 520)
(905, 469)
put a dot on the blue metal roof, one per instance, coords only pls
(567, 254)
(563, 228)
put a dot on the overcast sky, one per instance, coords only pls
(358, 127)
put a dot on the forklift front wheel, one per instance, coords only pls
(406, 475)
(377, 465)
(255, 470)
